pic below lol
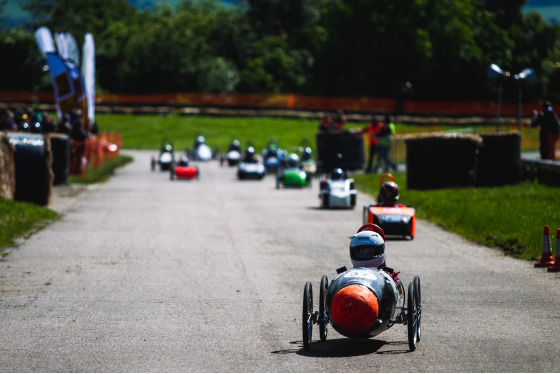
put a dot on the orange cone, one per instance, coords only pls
(556, 266)
(546, 256)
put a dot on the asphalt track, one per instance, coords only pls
(144, 274)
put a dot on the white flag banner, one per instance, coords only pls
(88, 71)
(45, 41)
(60, 39)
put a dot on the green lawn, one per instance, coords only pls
(20, 218)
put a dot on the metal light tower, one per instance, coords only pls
(494, 72)
(527, 75)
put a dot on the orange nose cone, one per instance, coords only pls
(354, 308)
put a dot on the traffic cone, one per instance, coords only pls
(546, 256)
(556, 266)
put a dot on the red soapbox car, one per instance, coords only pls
(396, 220)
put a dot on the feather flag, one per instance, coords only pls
(65, 74)
(88, 72)
(45, 41)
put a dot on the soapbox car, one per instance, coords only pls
(182, 170)
(308, 164)
(201, 151)
(395, 220)
(338, 191)
(166, 156)
(362, 303)
(233, 155)
(250, 166)
(291, 174)
(272, 156)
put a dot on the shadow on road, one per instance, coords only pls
(345, 348)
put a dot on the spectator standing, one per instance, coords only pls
(549, 130)
(372, 130)
(385, 139)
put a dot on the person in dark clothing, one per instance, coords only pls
(549, 130)
(372, 130)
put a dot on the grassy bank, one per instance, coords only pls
(103, 172)
(510, 217)
(147, 131)
(20, 218)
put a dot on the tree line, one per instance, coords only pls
(333, 48)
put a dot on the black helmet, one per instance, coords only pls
(306, 154)
(250, 152)
(293, 160)
(388, 193)
(337, 174)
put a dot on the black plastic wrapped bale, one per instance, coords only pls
(33, 161)
(499, 160)
(60, 147)
(7, 168)
(442, 161)
(349, 145)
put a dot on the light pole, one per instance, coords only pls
(527, 75)
(494, 71)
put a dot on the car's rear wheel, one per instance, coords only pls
(323, 318)
(325, 202)
(412, 318)
(307, 316)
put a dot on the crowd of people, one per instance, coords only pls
(30, 120)
(380, 133)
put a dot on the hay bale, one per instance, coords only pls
(499, 160)
(442, 160)
(33, 164)
(348, 144)
(60, 147)
(7, 168)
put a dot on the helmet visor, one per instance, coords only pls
(366, 251)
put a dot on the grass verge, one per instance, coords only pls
(510, 217)
(148, 131)
(21, 218)
(103, 172)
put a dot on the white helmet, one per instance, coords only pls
(367, 249)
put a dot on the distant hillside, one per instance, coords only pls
(13, 15)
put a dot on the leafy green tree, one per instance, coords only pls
(20, 67)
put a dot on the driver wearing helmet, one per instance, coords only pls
(337, 174)
(293, 160)
(367, 249)
(388, 195)
(250, 155)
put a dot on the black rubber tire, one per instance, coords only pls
(172, 173)
(323, 318)
(411, 315)
(278, 177)
(326, 198)
(418, 294)
(307, 314)
(153, 164)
